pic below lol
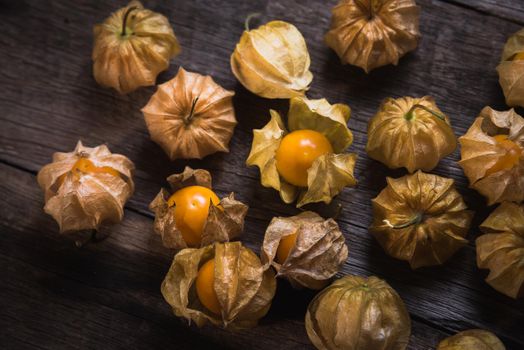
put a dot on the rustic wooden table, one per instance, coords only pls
(107, 295)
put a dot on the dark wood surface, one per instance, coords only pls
(107, 295)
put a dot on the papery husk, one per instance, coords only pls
(329, 174)
(358, 313)
(222, 225)
(472, 339)
(479, 152)
(373, 33)
(244, 288)
(501, 249)
(272, 61)
(319, 252)
(191, 116)
(134, 60)
(85, 201)
(419, 143)
(441, 225)
(511, 73)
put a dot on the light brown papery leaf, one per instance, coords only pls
(191, 116)
(126, 62)
(243, 287)
(420, 218)
(472, 339)
(511, 72)
(319, 252)
(373, 33)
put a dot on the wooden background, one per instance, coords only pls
(107, 295)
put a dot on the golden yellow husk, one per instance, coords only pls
(410, 132)
(243, 287)
(511, 71)
(472, 339)
(373, 33)
(83, 201)
(358, 313)
(420, 218)
(222, 225)
(126, 58)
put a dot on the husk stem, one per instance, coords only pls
(415, 220)
(92, 239)
(409, 115)
(124, 21)
(187, 120)
(248, 19)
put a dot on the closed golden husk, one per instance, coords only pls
(358, 313)
(222, 224)
(272, 61)
(472, 339)
(131, 47)
(373, 33)
(410, 132)
(191, 116)
(511, 71)
(480, 152)
(319, 252)
(420, 218)
(330, 173)
(85, 200)
(501, 249)
(243, 287)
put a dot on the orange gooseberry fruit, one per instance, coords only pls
(297, 152)
(205, 287)
(86, 166)
(284, 247)
(519, 56)
(510, 159)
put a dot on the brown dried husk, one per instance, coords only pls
(191, 116)
(243, 287)
(85, 201)
(330, 173)
(418, 143)
(358, 313)
(373, 33)
(420, 218)
(501, 249)
(319, 252)
(511, 72)
(222, 225)
(480, 151)
(135, 59)
(472, 339)
(272, 61)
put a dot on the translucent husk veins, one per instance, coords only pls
(472, 339)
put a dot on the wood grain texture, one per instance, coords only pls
(60, 297)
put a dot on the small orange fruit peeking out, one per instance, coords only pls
(191, 211)
(518, 57)
(510, 159)
(297, 152)
(86, 166)
(284, 247)
(205, 287)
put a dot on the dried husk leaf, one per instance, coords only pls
(126, 62)
(480, 151)
(373, 33)
(244, 288)
(472, 339)
(358, 313)
(418, 143)
(84, 201)
(319, 252)
(511, 72)
(272, 61)
(330, 173)
(191, 116)
(501, 249)
(420, 218)
(220, 226)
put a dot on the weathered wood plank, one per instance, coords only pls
(512, 10)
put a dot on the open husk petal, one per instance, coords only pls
(480, 151)
(472, 339)
(272, 61)
(243, 287)
(222, 225)
(415, 144)
(511, 72)
(501, 249)
(134, 60)
(420, 218)
(358, 313)
(82, 201)
(373, 33)
(319, 252)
